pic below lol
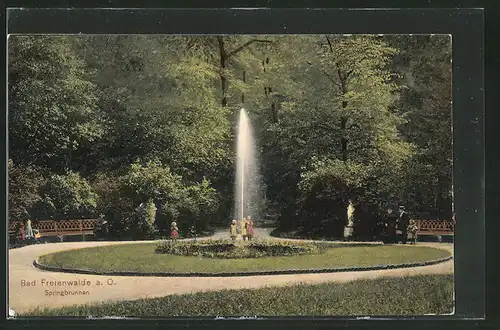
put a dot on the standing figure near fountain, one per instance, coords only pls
(250, 231)
(174, 230)
(29, 229)
(244, 233)
(233, 233)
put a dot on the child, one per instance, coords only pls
(412, 231)
(244, 229)
(174, 231)
(249, 228)
(233, 230)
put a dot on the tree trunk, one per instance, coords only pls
(268, 92)
(223, 66)
(343, 139)
(439, 197)
(224, 58)
(343, 118)
(243, 93)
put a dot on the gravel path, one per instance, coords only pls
(23, 297)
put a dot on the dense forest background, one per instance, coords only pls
(100, 124)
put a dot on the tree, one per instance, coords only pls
(24, 185)
(424, 65)
(226, 55)
(51, 105)
(354, 130)
(156, 108)
(187, 203)
(66, 196)
(143, 221)
(152, 119)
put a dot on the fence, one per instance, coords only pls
(59, 228)
(435, 227)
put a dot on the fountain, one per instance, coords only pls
(247, 187)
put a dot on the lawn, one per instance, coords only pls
(142, 258)
(417, 295)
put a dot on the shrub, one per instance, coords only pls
(142, 222)
(229, 250)
(190, 204)
(187, 203)
(114, 204)
(24, 185)
(66, 196)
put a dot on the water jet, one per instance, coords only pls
(247, 187)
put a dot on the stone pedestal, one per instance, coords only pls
(348, 231)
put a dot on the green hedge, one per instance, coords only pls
(229, 250)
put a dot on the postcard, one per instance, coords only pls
(230, 175)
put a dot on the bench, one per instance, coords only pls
(59, 228)
(436, 228)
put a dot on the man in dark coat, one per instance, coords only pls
(403, 222)
(390, 221)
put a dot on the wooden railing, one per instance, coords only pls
(59, 228)
(435, 227)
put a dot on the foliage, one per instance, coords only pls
(344, 143)
(142, 202)
(229, 250)
(52, 107)
(66, 196)
(410, 296)
(24, 185)
(186, 203)
(425, 68)
(114, 204)
(143, 220)
(359, 117)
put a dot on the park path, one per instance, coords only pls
(115, 288)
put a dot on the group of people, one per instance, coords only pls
(26, 231)
(246, 229)
(402, 222)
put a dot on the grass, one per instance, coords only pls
(408, 296)
(142, 258)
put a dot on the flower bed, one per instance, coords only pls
(229, 250)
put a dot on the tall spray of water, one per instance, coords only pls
(247, 183)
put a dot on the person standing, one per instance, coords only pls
(403, 222)
(390, 226)
(233, 233)
(250, 231)
(174, 230)
(412, 230)
(244, 229)
(22, 232)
